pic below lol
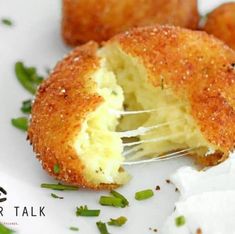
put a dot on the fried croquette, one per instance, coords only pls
(85, 20)
(187, 77)
(221, 23)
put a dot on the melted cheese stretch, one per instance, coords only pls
(122, 81)
(182, 131)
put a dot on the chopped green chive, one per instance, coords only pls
(5, 230)
(145, 194)
(20, 123)
(162, 83)
(7, 22)
(26, 106)
(111, 201)
(28, 77)
(102, 228)
(84, 211)
(56, 169)
(60, 187)
(56, 196)
(180, 221)
(118, 222)
(125, 202)
(74, 229)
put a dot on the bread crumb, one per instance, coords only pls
(157, 187)
(199, 231)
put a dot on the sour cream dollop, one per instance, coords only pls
(207, 200)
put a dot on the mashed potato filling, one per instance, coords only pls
(123, 83)
(98, 145)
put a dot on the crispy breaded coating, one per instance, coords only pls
(196, 66)
(221, 23)
(85, 20)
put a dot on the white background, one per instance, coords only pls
(35, 39)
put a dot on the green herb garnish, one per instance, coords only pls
(28, 77)
(5, 230)
(60, 187)
(56, 169)
(30, 80)
(56, 196)
(74, 229)
(111, 201)
(145, 194)
(118, 222)
(114, 93)
(26, 106)
(125, 202)
(7, 22)
(84, 211)
(162, 83)
(20, 123)
(180, 221)
(102, 228)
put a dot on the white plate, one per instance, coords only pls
(35, 39)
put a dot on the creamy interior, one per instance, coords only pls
(123, 83)
(177, 128)
(98, 145)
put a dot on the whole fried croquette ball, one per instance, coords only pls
(187, 79)
(221, 23)
(85, 20)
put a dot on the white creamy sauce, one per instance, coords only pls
(207, 200)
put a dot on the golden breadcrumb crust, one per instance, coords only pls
(61, 105)
(221, 23)
(197, 67)
(85, 20)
